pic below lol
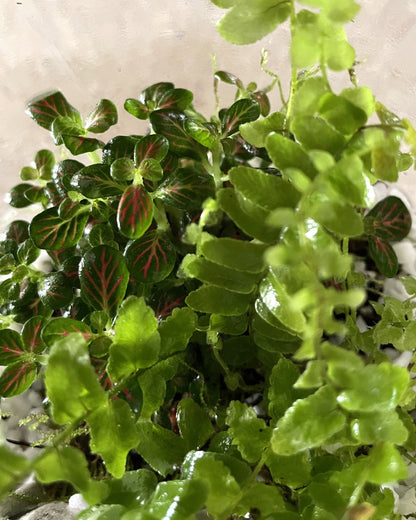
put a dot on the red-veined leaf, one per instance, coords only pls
(155, 92)
(151, 147)
(64, 126)
(389, 220)
(11, 346)
(135, 211)
(261, 97)
(44, 161)
(164, 300)
(58, 328)
(17, 378)
(68, 209)
(136, 108)
(177, 99)
(95, 182)
(78, 144)
(55, 291)
(63, 173)
(102, 117)
(104, 277)
(16, 196)
(227, 77)
(150, 170)
(47, 107)
(203, 133)
(187, 188)
(242, 111)
(31, 334)
(169, 164)
(151, 258)
(18, 231)
(171, 125)
(49, 231)
(119, 146)
(384, 256)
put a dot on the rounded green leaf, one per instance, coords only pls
(240, 112)
(194, 424)
(58, 328)
(102, 117)
(218, 300)
(45, 108)
(95, 181)
(154, 146)
(55, 291)
(17, 378)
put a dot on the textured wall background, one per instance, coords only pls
(106, 49)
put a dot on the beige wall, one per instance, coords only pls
(92, 49)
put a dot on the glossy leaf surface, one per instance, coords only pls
(242, 111)
(212, 299)
(151, 147)
(17, 378)
(59, 328)
(384, 256)
(44, 109)
(104, 278)
(389, 219)
(95, 182)
(134, 212)
(102, 117)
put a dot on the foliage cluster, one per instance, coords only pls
(198, 329)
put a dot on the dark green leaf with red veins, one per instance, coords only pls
(17, 378)
(12, 347)
(18, 231)
(151, 147)
(136, 108)
(28, 303)
(122, 170)
(60, 255)
(36, 194)
(169, 164)
(262, 99)
(171, 125)
(227, 77)
(104, 277)
(16, 196)
(389, 220)
(383, 255)
(240, 112)
(119, 146)
(95, 182)
(31, 334)
(177, 99)
(44, 109)
(58, 328)
(70, 270)
(187, 188)
(64, 126)
(151, 258)
(151, 170)
(164, 299)
(63, 173)
(135, 211)
(44, 161)
(52, 195)
(78, 145)
(101, 234)
(49, 231)
(55, 291)
(68, 209)
(27, 252)
(204, 133)
(154, 93)
(102, 117)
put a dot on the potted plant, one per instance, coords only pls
(197, 332)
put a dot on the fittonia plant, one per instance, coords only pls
(199, 321)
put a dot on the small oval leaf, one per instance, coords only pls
(135, 211)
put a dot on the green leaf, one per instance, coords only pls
(282, 393)
(203, 133)
(186, 189)
(102, 512)
(247, 22)
(211, 299)
(136, 338)
(69, 373)
(265, 190)
(389, 220)
(384, 256)
(12, 347)
(339, 54)
(78, 145)
(161, 449)
(134, 212)
(305, 49)
(308, 423)
(113, 434)
(150, 258)
(178, 500)
(176, 331)
(175, 99)
(385, 464)
(44, 161)
(54, 291)
(240, 112)
(49, 231)
(122, 169)
(250, 218)
(45, 108)
(379, 426)
(286, 153)
(170, 124)
(239, 255)
(279, 302)
(95, 182)
(292, 470)
(346, 117)
(218, 275)
(256, 132)
(194, 424)
(136, 108)
(16, 196)
(249, 433)
(132, 488)
(374, 387)
(315, 133)
(232, 325)
(102, 117)
(65, 126)
(361, 97)
(69, 464)
(104, 277)
(12, 468)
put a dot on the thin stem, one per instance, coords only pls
(294, 74)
